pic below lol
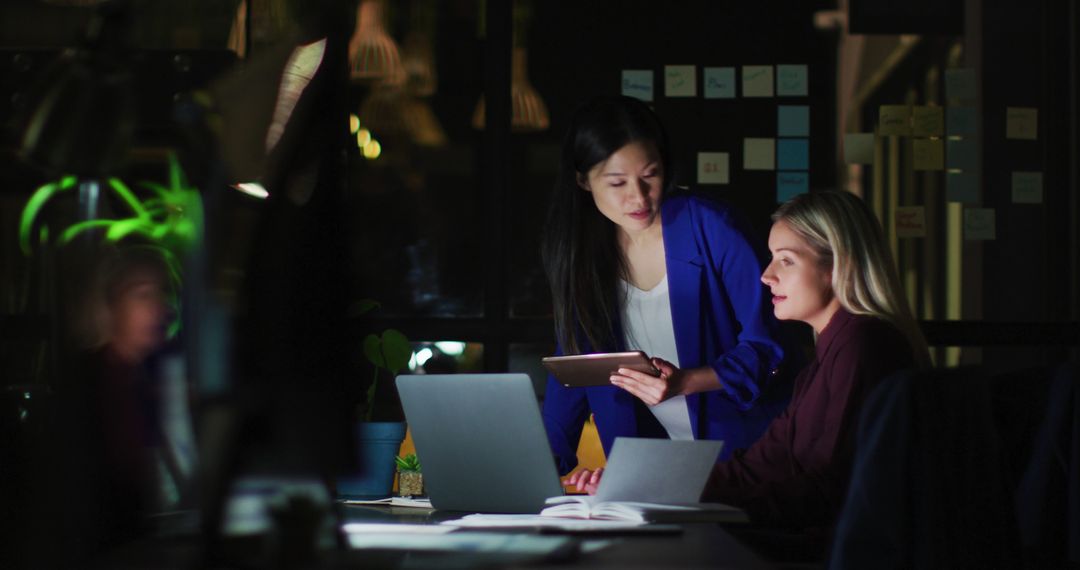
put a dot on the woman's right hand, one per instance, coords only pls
(585, 480)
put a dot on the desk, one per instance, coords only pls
(700, 545)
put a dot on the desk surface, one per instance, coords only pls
(699, 545)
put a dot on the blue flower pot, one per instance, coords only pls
(376, 443)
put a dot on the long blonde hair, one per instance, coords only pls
(842, 230)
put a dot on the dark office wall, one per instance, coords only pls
(1030, 270)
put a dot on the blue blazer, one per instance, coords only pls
(722, 317)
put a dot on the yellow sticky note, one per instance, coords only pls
(927, 121)
(1022, 123)
(757, 81)
(894, 120)
(859, 148)
(929, 154)
(910, 221)
(712, 168)
(759, 154)
(680, 81)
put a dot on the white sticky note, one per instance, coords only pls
(859, 148)
(960, 84)
(1027, 187)
(791, 80)
(979, 223)
(929, 154)
(712, 168)
(894, 120)
(793, 121)
(962, 154)
(927, 121)
(910, 221)
(757, 81)
(680, 81)
(759, 154)
(638, 83)
(1022, 123)
(719, 82)
(961, 187)
(961, 121)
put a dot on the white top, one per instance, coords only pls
(647, 327)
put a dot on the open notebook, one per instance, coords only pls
(651, 480)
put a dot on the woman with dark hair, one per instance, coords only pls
(632, 265)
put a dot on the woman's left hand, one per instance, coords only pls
(651, 389)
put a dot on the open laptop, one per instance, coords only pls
(481, 441)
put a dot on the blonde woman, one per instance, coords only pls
(831, 269)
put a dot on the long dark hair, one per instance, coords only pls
(580, 252)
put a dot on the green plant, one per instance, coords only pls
(408, 464)
(171, 220)
(389, 351)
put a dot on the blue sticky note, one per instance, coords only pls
(638, 83)
(791, 80)
(961, 187)
(791, 184)
(719, 82)
(962, 154)
(793, 121)
(961, 121)
(793, 154)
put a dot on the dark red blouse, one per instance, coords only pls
(796, 475)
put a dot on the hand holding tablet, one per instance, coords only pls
(596, 369)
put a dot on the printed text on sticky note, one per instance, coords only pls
(927, 121)
(910, 221)
(638, 83)
(894, 120)
(979, 223)
(719, 82)
(791, 80)
(680, 81)
(791, 184)
(712, 168)
(757, 81)
(1022, 123)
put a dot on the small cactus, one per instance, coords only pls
(408, 464)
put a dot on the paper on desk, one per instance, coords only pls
(489, 542)
(393, 502)
(537, 521)
(373, 528)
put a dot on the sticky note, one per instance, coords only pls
(793, 121)
(757, 81)
(719, 82)
(910, 221)
(962, 154)
(960, 84)
(961, 121)
(927, 121)
(759, 154)
(894, 120)
(680, 81)
(791, 184)
(638, 83)
(1021, 123)
(1027, 187)
(712, 168)
(791, 80)
(978, 223)
(961, 187)
(793, 154)
(929, 154)
(859, 148)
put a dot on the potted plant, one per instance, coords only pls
(378, 434)
(410, 479)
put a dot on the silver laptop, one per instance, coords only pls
(481, 441)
